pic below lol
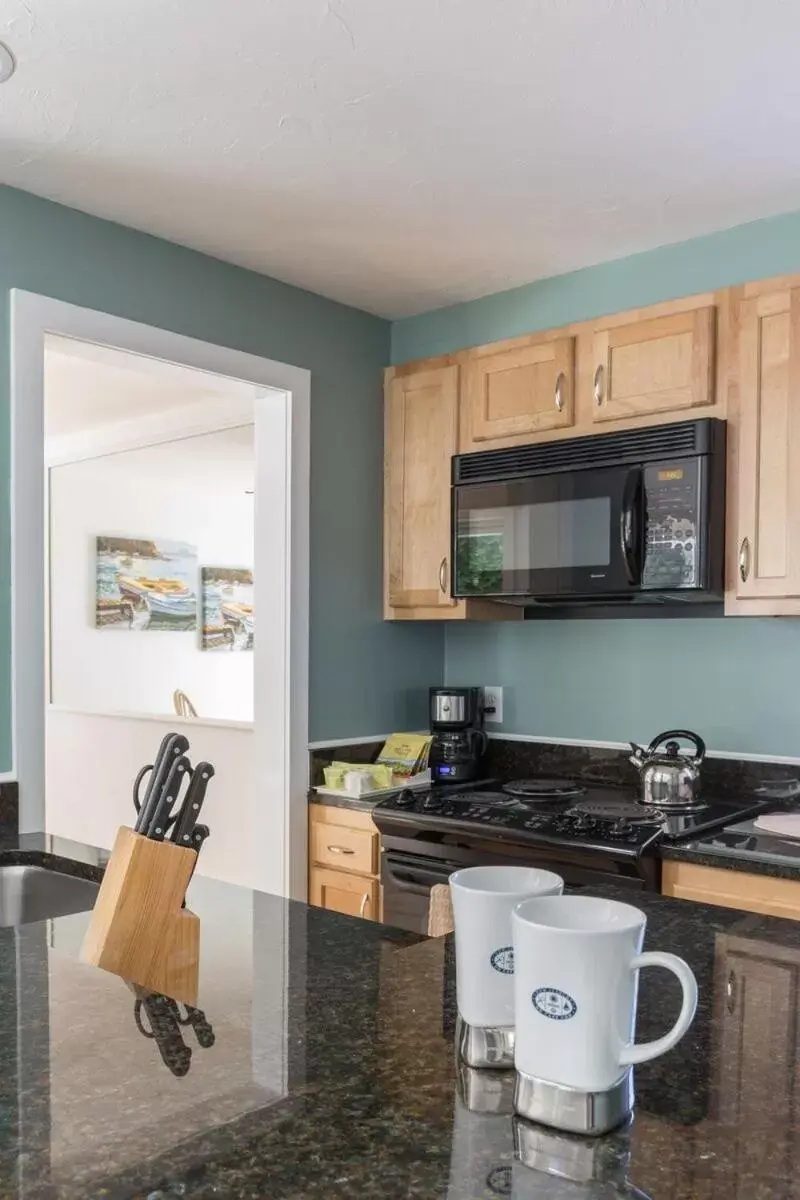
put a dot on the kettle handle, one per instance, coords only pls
(688, 736)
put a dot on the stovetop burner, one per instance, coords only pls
(615, 810)
(543, 789)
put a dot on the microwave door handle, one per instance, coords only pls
(630, 525)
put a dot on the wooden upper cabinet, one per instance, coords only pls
(661, 365)
(768, 466)
(421, 437)
(520, 391)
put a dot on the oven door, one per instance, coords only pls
(579, 533)
(407, 881)
(408, 874)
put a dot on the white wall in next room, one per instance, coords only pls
(193, 490)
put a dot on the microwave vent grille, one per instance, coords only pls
(630, 445)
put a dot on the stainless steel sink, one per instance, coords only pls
(33, 894)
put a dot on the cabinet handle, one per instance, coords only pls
(364, 903)
(559, 392)
(341, 850)
(744, 559)
(598, 386)
(443, 576)
(730, 992)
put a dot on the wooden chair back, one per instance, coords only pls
(182, 704)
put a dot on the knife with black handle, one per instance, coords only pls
(192, 803)
(160, 821)
(172, 747)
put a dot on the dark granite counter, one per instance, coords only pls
(356, 803)
(728, 860)
(332, 1074)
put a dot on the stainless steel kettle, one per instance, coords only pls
(670, 779)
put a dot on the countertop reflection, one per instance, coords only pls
(329, 1069)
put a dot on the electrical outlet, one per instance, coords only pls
(493, 704)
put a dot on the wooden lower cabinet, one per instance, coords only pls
(351, 894)
(732, 889)
(344, 862)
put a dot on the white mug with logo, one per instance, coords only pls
(577, 961)
(483, 900)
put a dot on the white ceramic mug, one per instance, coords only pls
(483, 900)
(577, 962)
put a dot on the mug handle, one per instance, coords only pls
(644, 1051)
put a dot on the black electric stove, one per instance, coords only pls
(588, 834)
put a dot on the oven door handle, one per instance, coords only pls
(630, 525)
(407, 877)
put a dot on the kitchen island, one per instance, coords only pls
(332, 1073)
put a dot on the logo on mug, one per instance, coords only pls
(498, 1181)
(503, 960)
(553, 1003)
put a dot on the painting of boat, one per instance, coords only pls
(145, 584)
(228, 611)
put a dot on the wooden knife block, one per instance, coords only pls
(138, 929)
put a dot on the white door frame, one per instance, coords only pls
(282, 437)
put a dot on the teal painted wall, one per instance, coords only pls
(735, 680)
(754, 251)
(366, 676)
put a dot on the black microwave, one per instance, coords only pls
(637, 515)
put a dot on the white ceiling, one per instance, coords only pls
(213, 463)
(400, 156)
(89, 388)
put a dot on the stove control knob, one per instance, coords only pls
(583, 822)
(620, 827)
(431, 803)
(405, 799)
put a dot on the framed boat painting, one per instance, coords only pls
(145, 584)
(228, 614)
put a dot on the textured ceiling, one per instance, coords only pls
(400, 156)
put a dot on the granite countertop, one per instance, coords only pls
(356, 803)
(729, 860)
(332, 1071)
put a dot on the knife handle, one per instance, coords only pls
(157, 828)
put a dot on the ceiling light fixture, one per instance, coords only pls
(8, 64)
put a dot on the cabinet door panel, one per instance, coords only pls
(665, 365)
(769, 446)
(521, 391)
(352, 895)
(421, 436)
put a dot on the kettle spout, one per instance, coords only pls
(638, 756)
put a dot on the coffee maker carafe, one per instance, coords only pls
(459, 743)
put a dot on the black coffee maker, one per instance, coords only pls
(459, 743)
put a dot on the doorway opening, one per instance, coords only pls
(163, 483)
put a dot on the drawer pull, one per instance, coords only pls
(341, 850)
(364, 903)
(443, 576)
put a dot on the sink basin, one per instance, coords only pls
(33, 894)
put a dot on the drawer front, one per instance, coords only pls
(353, 895)
(345, 849)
